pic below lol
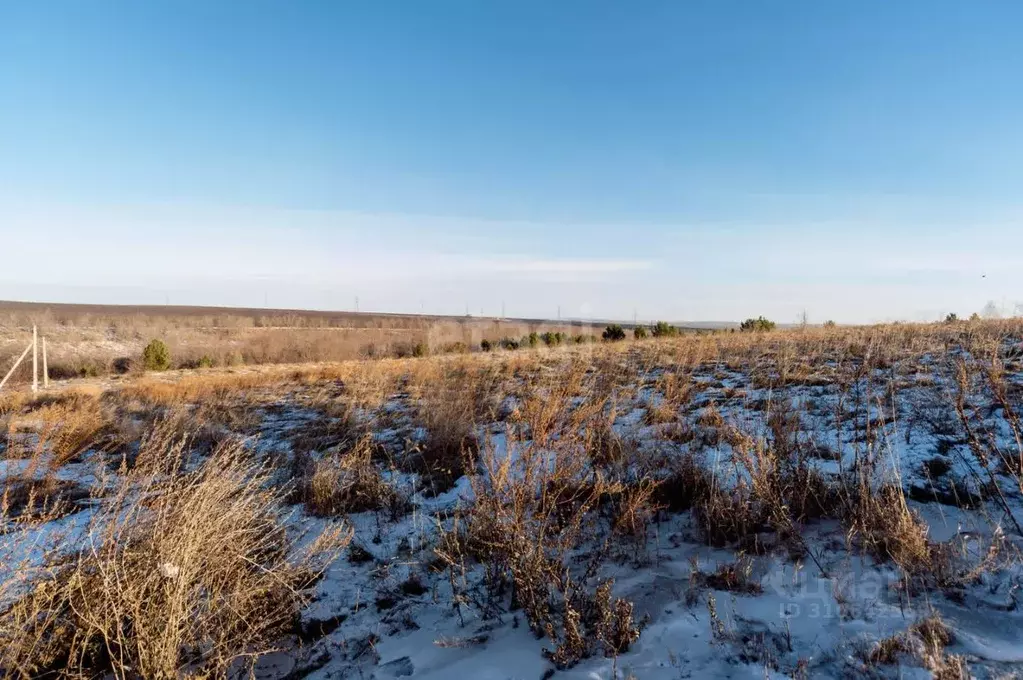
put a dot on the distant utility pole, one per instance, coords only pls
(559, 312)
(356, 303)
(635, 317)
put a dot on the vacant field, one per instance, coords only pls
(802, 503)
(93, 340)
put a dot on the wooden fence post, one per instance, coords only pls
(35, 360)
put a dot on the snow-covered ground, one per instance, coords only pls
(385, 610)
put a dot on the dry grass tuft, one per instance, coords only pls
(731, 517)
(684, 483)
(56, 431)
(925, 643)
(42, 499)
(533, 509)
(453, 397)
(735, 577)
(347, 481)
(157, 590)
(886, 527)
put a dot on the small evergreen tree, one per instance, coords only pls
(662, 329)
(614, 333)
(639, 333)
(757, 325)
(156, 356)
(551, 339)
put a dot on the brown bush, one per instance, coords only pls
(530, 513)
(160, 593)
(347, 481)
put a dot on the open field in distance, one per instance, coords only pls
(98, 339)
(823, 502)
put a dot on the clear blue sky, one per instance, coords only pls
(687, 160)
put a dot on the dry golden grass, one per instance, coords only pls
(451, 397)
(883, 523)
(345, 480)
(156, 589)
(531, 512)
(153, 391)
(924, 643)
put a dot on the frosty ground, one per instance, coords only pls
(808, 503)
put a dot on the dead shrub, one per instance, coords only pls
(441, 458)
(887, 651)
(532, 509)
(960, 563)
(181, 575)
(606, 448)
(12, 402)
(659, 412)
(710, 417)
(615, 624)
(810, 496)
(633, 508)
(786, 485)
(676, 388)
(784, 490)
(549, 407)
(347, 481)
(597, 621)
